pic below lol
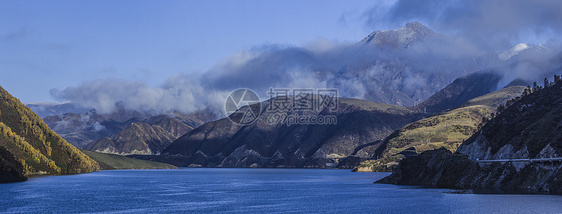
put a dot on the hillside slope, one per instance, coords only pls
(37, 147)
(223, 143)
(461, 90)
(448, 129)
(527, 129)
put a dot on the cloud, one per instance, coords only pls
(180, 93)
(402, 67)
(258, 69)
(98, 127)
(276, 66)
(357, 70)
(490, 24)
(533, 64)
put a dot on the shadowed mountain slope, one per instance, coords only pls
(223, 143)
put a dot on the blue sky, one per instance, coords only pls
(57, 44)
(76, 45)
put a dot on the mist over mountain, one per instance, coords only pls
(51, 109)
(487, 25)
(403, 66)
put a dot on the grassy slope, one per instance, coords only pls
(109, 161)
(494, 99)
(448, 129)
(34, 144)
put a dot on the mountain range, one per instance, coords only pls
(143, 138)
(380, 62)
(223, 143)
(358, 134)
(87, 129)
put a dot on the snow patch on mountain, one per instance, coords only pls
(403, 37)
(515, 50)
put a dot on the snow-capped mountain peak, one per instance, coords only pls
(403, 37)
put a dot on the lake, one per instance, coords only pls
(249, 191)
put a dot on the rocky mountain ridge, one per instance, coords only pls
(84, 130)
(142, 138)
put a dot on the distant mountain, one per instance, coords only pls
(404, 66)
(223, 143)
(529, 128)
(409, 65)
(143, 138)
(84, 129)
(461, 90)
(51, 109)
(404, 37)
(34, 145)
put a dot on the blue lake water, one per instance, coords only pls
(249, 191)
